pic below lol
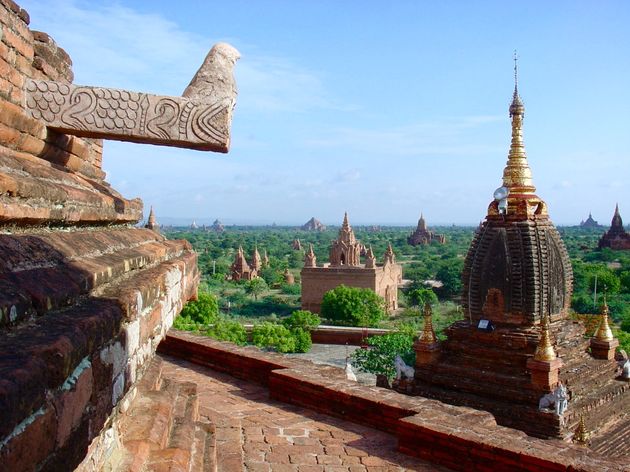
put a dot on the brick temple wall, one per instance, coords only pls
(316, 281)
(85, 297)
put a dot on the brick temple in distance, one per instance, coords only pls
(517, 342)
(345, 268)
(616, 238)
(422, 236)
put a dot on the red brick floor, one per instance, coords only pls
(254, 433)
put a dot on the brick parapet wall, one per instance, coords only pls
(457, 437)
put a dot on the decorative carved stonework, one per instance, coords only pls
(199, 120)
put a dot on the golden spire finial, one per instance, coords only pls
(545, 350)
(604, 333)
(515, 73)
(428, 335)
(517, 176)
(581, 434)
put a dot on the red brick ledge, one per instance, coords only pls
(342, 335)
(457, 437)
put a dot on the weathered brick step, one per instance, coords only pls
(599, 406)
(204, 452)
(196, 453)
(150, 416)
(32, 283)
(152, 377)
(42, 354)
(36, 192)
(617, 442)
(142, 289)
(583, 377)
(229, 445)
(161, 431)
(508, 387)
(494, 361)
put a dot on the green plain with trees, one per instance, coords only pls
(271, 300)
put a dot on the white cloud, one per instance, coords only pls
(116, 46)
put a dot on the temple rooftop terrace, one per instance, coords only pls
(233, 408)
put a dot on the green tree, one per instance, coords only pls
(302, 319)
(353, 306)
(303, 340)
(422, 296)
(255, 287)
(379, 357)
(271, 276)
(273, 336)
(204, 310)
(450, 274)
(228, 330)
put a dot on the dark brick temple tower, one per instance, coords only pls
(517, 341)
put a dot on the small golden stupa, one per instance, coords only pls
(604, 333)
(428, 334)
(545, 350)
(581, 433)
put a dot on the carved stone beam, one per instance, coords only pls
(200, 119)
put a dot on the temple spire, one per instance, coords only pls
(617, 222)
(517, 176)
(152, 222)
(309, 258)
(345, 223)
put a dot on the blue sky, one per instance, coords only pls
(382, 110)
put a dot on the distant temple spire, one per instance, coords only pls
(345, 223)
(617, 221)
(265, 259)
(152, 222)
(240, 269)
(309, 258)
(390, 257)
(256, 259)
(370, 259)
(423, 236)
(345, 250)
(616, 238)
